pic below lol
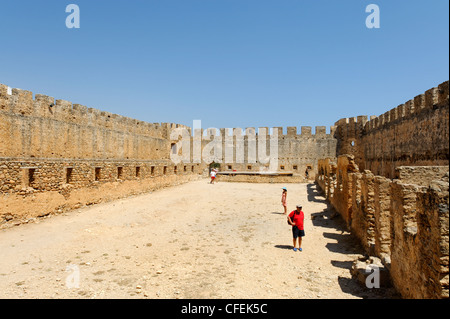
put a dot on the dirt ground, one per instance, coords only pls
(196, 240)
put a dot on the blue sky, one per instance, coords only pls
(229, 63)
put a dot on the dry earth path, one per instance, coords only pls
(196, 240)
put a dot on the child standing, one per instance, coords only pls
(283, 200)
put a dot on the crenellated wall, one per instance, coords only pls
(39, 131)
(297, 151)
(414, 133)
(390, 184)
(387, 176)
(54, 149)
(47, 128)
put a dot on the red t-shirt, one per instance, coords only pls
(298, 218)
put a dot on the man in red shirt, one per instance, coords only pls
(296, 219)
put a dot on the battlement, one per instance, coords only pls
(413, 132)
(21, 103)
(306, 132)
(433, 98)
(362, 119)
(291, 132)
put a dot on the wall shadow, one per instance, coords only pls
(353, 287)
(344, 243)
(314, 195)
(342, 264)
(328, 217)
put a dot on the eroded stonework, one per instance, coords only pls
(390, 183)
(387, 176)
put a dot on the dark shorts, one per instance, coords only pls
(297, 232)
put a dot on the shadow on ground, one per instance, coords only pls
(284, 246)
(346, 243)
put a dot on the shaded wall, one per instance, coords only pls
(403, 222)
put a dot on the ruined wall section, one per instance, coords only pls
(415, 133)
(433, 246)
(402, 221)
(396, 200)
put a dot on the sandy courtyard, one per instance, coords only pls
(196, 240)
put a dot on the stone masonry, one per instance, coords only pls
(390, 183)
(387, 176)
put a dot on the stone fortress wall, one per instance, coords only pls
(387, 176)
(45, 144)
(298, 153)
(57, 156)
(414, 133)
(55, 149)
(390, 183)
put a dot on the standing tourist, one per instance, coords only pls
(295, 219)
(213, 176)
(284, 199)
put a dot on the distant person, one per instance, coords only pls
(295, 219)
(307, 173)
(217, 176)
(284, 199)
(213, 176)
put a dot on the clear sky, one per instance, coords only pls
(228, 63)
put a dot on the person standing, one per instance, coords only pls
(284, 200)
(296, 219)
(213, 176)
